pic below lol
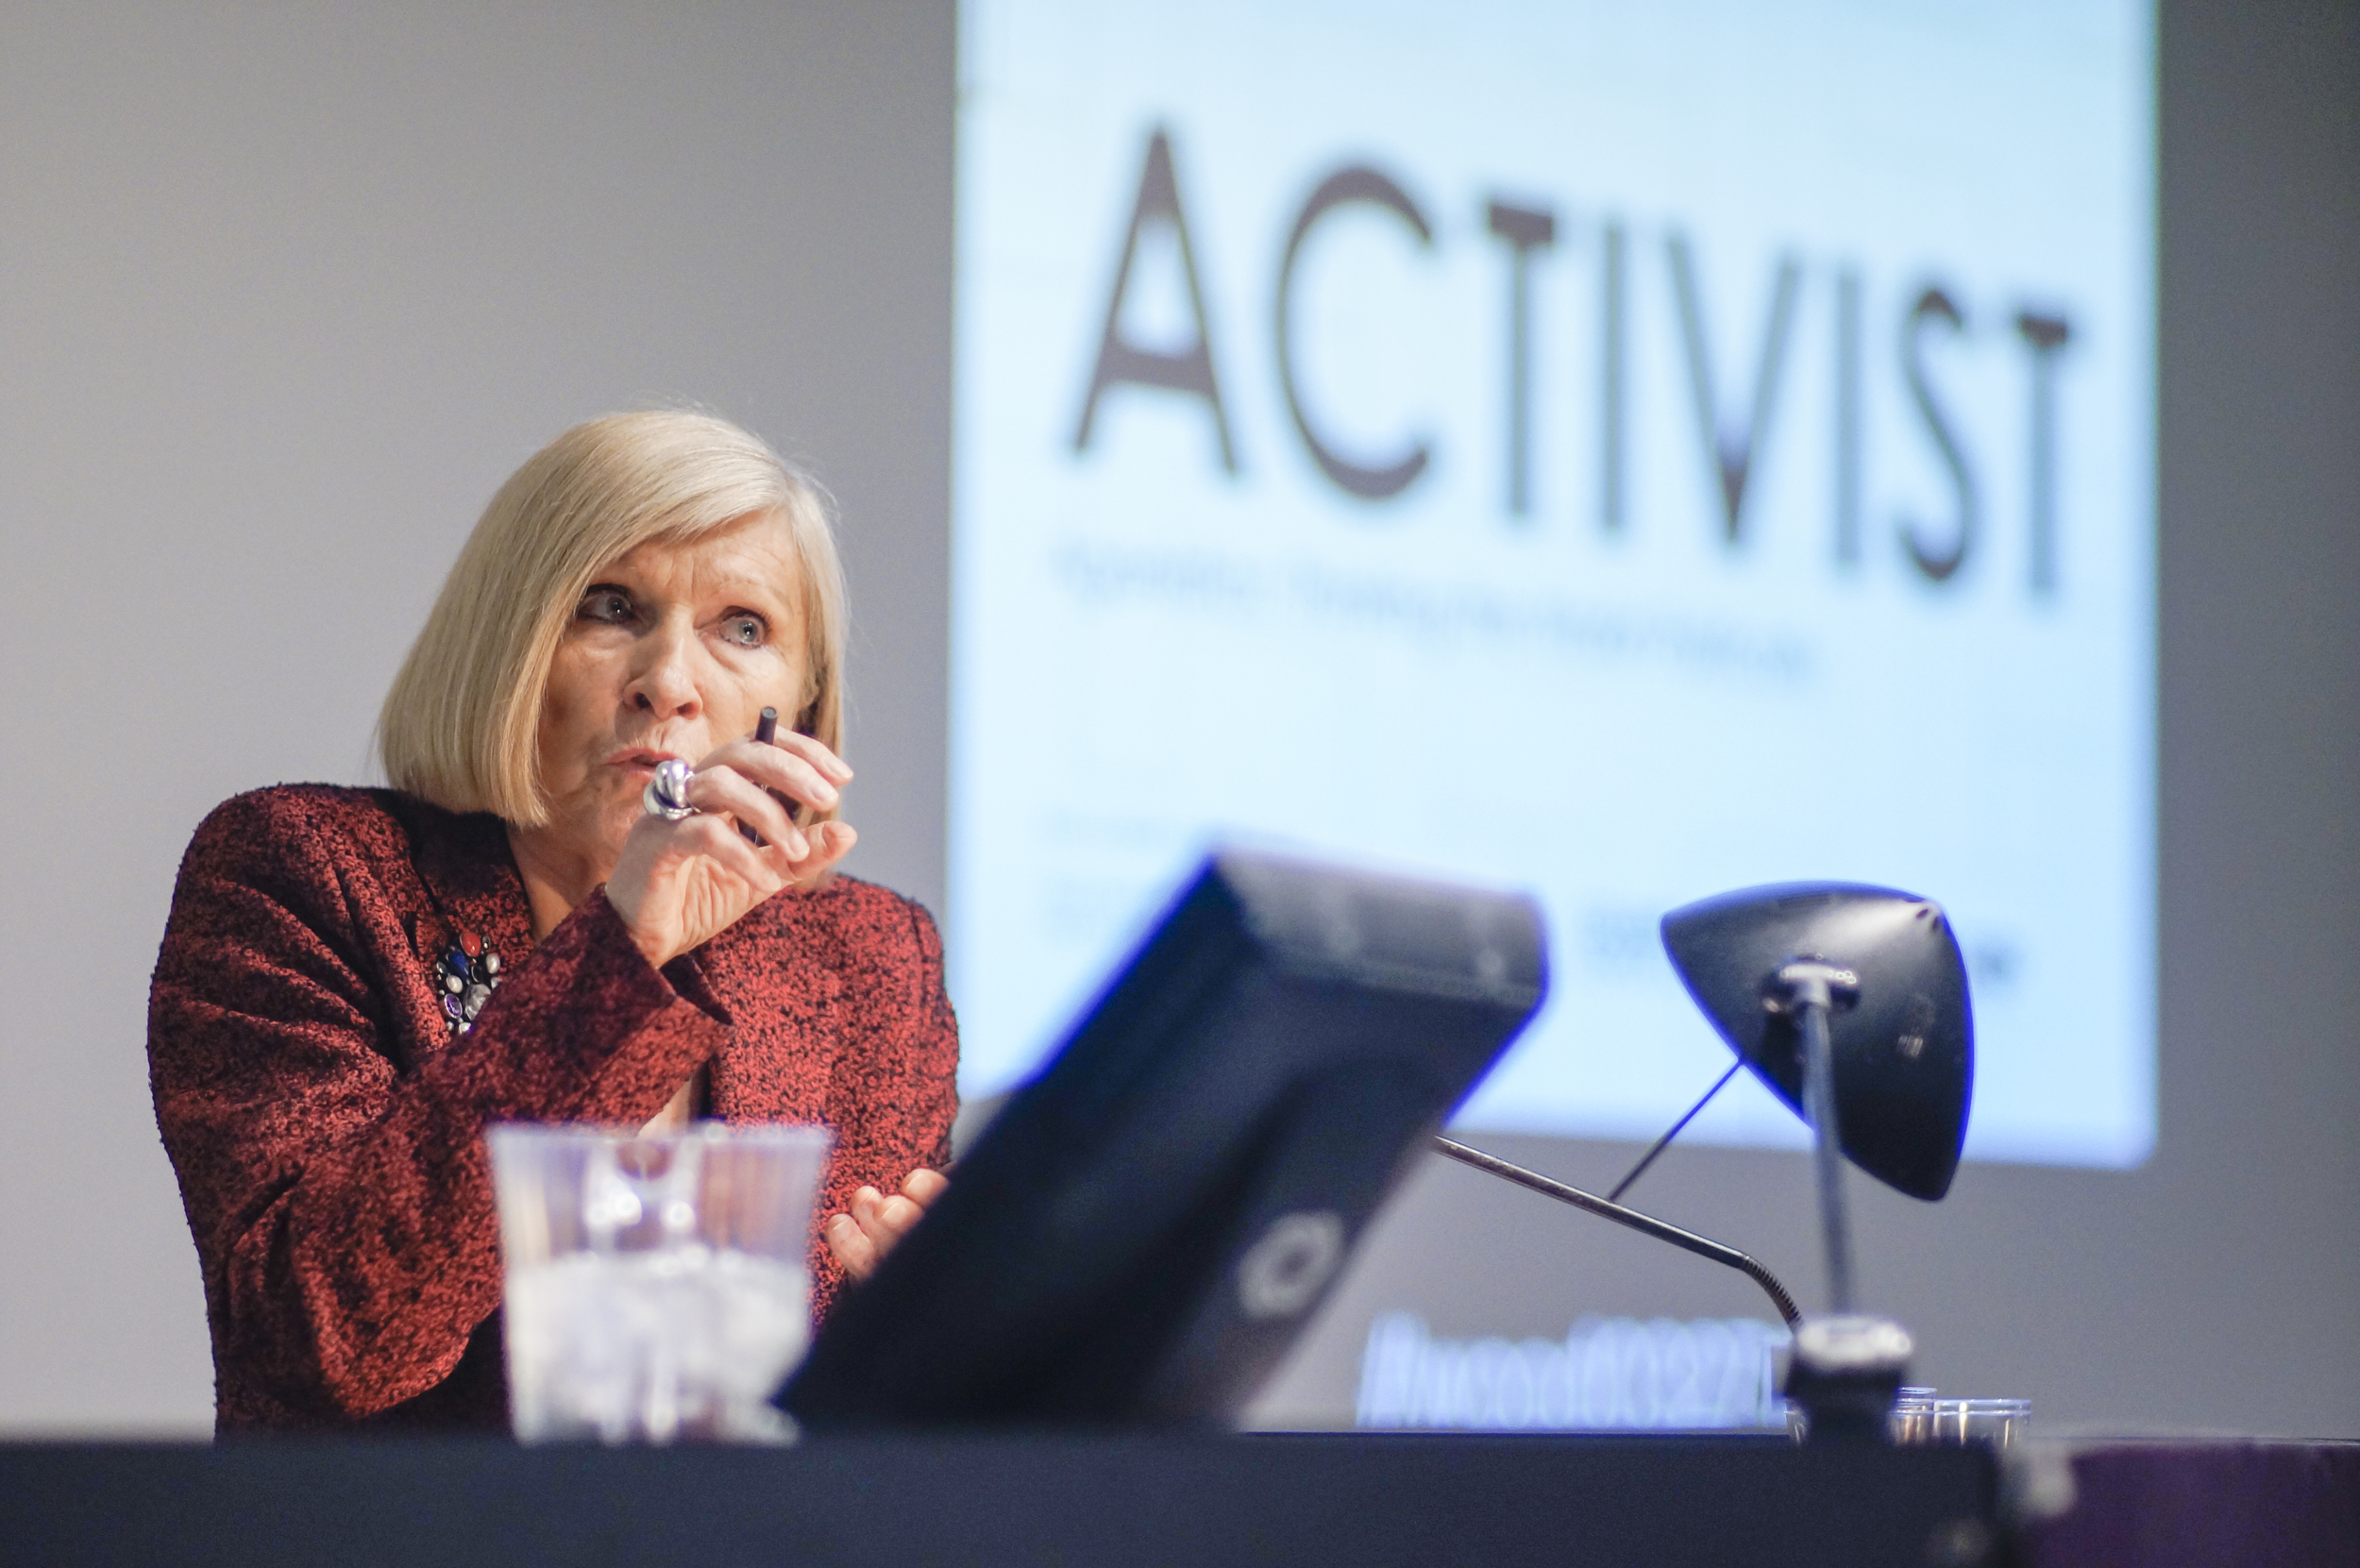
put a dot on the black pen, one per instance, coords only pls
(766, 732)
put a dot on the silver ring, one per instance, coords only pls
(667, 795)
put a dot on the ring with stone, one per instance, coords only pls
(667, 795)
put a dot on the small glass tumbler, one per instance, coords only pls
(2002, 1423)
(1911, 1421)
(656, 1287)
(1913, 1415)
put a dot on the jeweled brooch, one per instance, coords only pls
(465, 977)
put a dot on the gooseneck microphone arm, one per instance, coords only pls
(1646, 1225)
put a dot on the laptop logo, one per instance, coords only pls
(1284, 1272)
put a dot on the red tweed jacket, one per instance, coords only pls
(327, 1124)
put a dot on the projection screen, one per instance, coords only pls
(1623, 452)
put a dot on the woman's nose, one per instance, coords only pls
(664, 684)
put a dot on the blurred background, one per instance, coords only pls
(286, 291)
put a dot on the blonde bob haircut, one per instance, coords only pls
(461, 725)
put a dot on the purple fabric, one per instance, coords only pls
(2183, 1505)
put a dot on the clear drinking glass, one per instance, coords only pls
(656, 1286)
(1999, 1421)
(1912, 1415)
(1918, 1416)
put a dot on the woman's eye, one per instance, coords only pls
(606, 604)
(746, 631)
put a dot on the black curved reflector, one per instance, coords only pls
(1904, 1052)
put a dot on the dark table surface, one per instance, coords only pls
(1138, 1499)
(1065, 1498)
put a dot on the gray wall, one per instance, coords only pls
(285, 292)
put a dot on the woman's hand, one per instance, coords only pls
(860, 1238)
(678, 884)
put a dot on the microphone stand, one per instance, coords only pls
(1812, 991)
(1630, 1218)
(1846, 1367)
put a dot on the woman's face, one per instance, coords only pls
(674, 650)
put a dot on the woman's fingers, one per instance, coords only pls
(658, 854)
(811, 775)
(678, 882)
(885, 1218)
(724, 789)
(861, 1237)
(835, 768)
(852, 1246)
(714, 840)
(766, 869)
(830, 843)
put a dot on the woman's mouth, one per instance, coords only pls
(639, 759)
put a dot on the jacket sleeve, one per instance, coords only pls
(930, 1051)
(342, 1208)
(898, 1100)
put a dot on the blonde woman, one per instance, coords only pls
(591, 894)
